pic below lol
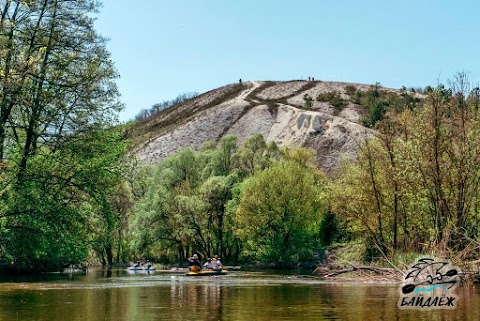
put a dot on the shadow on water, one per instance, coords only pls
(118, 295)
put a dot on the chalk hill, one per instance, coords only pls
(278, 110)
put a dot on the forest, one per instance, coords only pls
(71, 193)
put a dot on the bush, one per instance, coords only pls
(357, 97)
(333, 98)
(350, 90)
(308, 101)
(145, 114)
(375, 112)
(350, 252)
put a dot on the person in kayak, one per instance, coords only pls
(149, 264)
(194, 263)
(216, 264)
(208, 265)
(137, 265)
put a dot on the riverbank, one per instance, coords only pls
(358, 273)
(378, 274)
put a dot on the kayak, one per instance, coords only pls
(140, 268)
(207, 273)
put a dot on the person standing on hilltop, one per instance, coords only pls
(240, 81)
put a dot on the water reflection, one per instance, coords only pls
(116, 295)
(203, 301)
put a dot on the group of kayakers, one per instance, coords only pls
(213, 264)
(147, 266)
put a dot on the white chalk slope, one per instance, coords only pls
(274, 109)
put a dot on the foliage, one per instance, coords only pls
(332, 97)
(146, 114)
(256, 155)
(329, 229)
(349, 253)
(414, 188)
(57, 78)
(59, 155)
(278, 213)
(184, 205)
(350, 90)
(191, 200)
(308, 101)
(49, 212)
(377, 102)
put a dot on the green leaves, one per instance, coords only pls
(206, 202)
(279, 211)
(415, 186)
(58, 100)
(64, 195)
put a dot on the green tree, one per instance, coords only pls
(252, 154)
(57, 99)
(108, 225)
(46, 216)
(216, 191)
(279, 211)
(57, 78)
(171, 220)
(185, 202)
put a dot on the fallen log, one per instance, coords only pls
(377, 270)
(362, 273)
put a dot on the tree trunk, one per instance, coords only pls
(37, 104)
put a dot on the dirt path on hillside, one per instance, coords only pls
(248, 91)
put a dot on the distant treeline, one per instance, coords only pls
(145, 113)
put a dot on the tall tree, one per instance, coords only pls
(57, 78)
(57, 98)
(279, 211)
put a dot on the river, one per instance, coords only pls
(242, 296)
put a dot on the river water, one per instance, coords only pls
(242, 296)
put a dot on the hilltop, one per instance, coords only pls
(325, 116)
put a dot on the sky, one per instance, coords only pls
(163, 48)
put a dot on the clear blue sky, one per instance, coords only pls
(162, 48)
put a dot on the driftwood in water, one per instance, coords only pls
(377, 270)
(328, 271)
